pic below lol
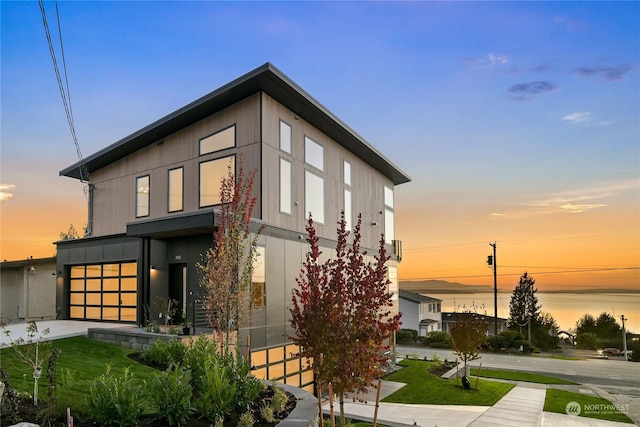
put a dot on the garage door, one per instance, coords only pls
(104, 292)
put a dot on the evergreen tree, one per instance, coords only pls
(523, 307)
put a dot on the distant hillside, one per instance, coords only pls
(441, 287)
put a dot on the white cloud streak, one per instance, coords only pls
(5, 191)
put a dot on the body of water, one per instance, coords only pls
(565, 307)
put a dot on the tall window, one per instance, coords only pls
(347, 195)
(211, 174)
(285, 137)
(347, 173)
(258, 280)
(285, 186)
(176, 189)
(393, 285)
(313, 153)
(389, 225)
(142, 196)
(225, 138)
(314, 196)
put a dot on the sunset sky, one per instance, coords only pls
(519, 122)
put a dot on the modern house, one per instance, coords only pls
(153, 193)
(449, 318)
(420, 312)
(28, 289)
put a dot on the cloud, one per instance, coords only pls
(5, 193)
(532, 88)
(572, 202)
(489, 60)
(606, 73)
(578, 117)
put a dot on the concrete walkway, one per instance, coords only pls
(521, 407)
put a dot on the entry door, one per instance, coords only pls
(178, 287)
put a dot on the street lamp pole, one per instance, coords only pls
(624, 338)
(495, 296)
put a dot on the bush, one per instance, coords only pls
(164, 353)
(171, 393)
(587, 340)
(218, 392)
(438, 339)
(200, 353)
(510, 339)
(279, 399)
(405, 336)
(116, 401)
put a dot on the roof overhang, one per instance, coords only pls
(175, 226)
(265, 78)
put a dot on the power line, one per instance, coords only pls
(584, 270)
(66, 97)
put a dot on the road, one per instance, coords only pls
(613, 372)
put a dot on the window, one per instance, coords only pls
(142, 196)
(389, 225)
(226, 138)
(285, 137)
(347, 210)
(313, 153)
(175, 189)
(347, 173)
(393, 286)
(314, 196)
(258, 280)
(211, 176)
(285, 186)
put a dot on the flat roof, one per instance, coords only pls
(265, 78)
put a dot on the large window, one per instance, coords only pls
(226, 138)
(176, 189)
(104, 292)
(142, 196)
(258, 280)
(211, 175)
(347, 210)
(314, 196)
(285, 137)
(313, 153)
(285, 186)
(389, 220)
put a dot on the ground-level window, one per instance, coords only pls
(104, 292)
(281, 364)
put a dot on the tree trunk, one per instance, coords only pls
(343, 420)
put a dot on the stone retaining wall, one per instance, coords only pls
(134, 338)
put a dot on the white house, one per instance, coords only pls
(420, 313)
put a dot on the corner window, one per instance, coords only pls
(142, 196)
(285, 137)
(314, 196)
(313, 153)
(258, 280)
(225, 138)
(285, 186)
(389, 220)
(211, 175)
(175, 188)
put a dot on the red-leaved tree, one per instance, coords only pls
(341, 313)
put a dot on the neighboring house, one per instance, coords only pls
(152, 196)
(28, 289)
(448, 319)
(420, 313)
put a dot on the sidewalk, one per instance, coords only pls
(57, 329)
(521, 407)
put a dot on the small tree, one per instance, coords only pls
(228, 265)
(523, 307)
(341, 313)
(468, 333)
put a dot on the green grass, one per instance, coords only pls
(425, 388)
(557, 400)
(519, 376)
(84, 358)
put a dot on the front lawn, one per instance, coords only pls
(589, 406)
(519, 376)
(425, 388)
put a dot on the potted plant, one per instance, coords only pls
(186, 329)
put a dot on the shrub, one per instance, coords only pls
(218, 392)
(279, 399)
(163, 353)
(509, 339)
(200, 353)
(246, 419)
(171, 393)
(438, 339)
(115, 401)
(266, 412)
(404, 336)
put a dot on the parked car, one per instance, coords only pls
(611, 351)
(629, 353)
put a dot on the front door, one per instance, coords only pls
(178, 288)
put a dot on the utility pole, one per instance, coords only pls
(624, 338)
(492, 261)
